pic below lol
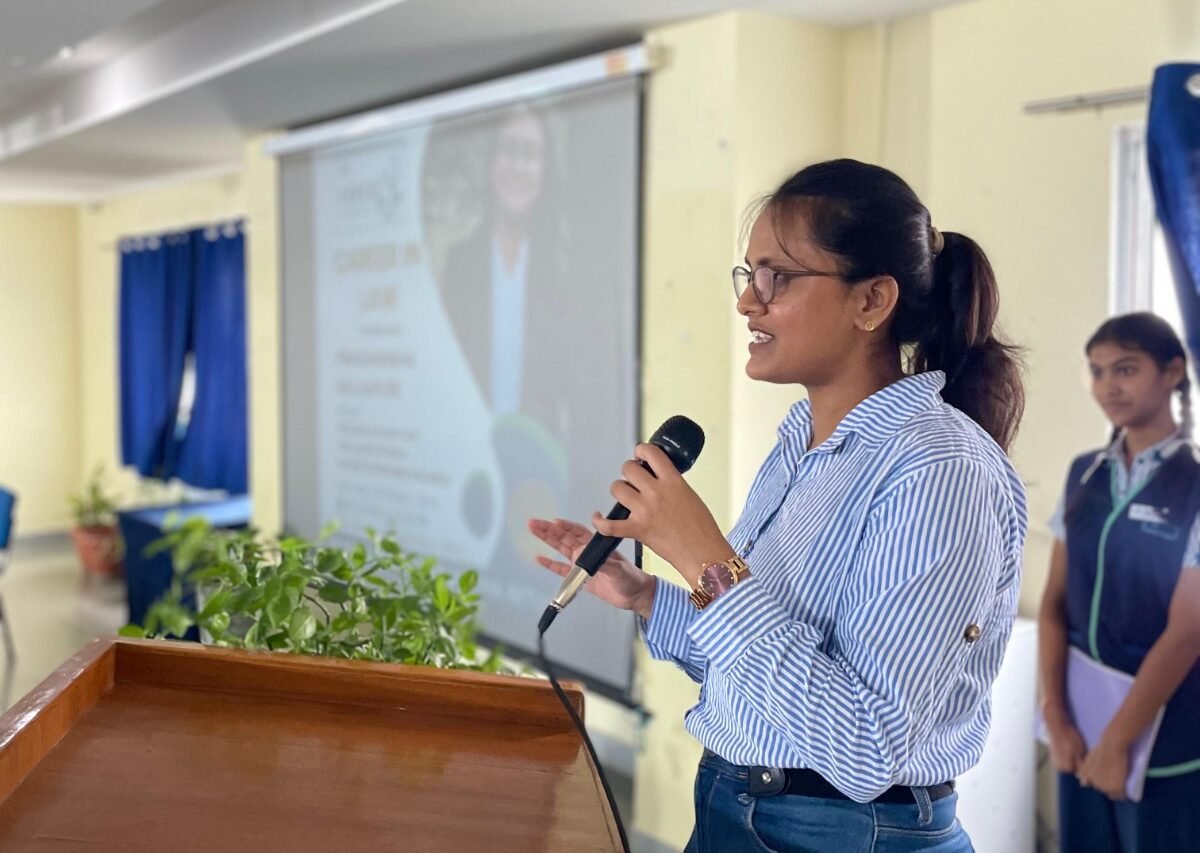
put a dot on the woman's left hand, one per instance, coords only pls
(665, 514)
(1106, 767)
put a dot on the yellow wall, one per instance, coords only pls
(1033, 190)
(689, 223)
(787, 115)
(263, 318)
(39, 382)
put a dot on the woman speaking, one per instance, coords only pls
(847, 630)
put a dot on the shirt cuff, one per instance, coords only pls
(736, 619)
(666, 630)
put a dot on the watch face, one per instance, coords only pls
(716, 578)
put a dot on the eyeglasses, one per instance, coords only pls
(768, 282)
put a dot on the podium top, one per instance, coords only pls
(142, 746)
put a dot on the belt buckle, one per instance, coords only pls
(766, 781)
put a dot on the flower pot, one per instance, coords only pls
(100, 550)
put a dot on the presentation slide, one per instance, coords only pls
(461, 341)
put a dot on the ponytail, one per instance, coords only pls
(876, 225)
(983, 375)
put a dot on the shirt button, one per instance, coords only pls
(972, 633)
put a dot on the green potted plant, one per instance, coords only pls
(97, 540)
(373, 601)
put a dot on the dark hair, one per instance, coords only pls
(1154, 336)
(874, 222)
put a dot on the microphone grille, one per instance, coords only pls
(682, 439)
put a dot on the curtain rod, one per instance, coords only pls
(1091, 100)
(242, 222)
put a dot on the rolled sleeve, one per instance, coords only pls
(737, 620)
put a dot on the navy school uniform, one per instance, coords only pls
(1129, 535)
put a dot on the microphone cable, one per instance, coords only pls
(587, 741)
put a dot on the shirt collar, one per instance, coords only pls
(1158, 452)
(520, 267)
(876, 418)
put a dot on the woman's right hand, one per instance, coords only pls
(1067, 749)
(618, 582)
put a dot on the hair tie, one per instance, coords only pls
(936, 242)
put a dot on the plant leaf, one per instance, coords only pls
(301, 627)
(335, 593)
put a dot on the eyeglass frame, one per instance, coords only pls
(790, 274)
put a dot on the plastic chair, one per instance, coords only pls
(8, 502)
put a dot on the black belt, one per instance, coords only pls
(770, 781)
(766, 781)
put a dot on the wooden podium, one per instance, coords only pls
(138, 746)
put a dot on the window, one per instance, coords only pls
(1141, 273)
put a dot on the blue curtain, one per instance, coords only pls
(181, 294)
(1173, 149)
(155, 310)
(213, 452)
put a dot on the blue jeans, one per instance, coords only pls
(1167, 820)
(729, 820)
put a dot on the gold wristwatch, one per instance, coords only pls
(716, 578)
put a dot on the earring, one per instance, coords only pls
(870, 327)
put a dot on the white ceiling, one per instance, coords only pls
(162, 89)
(32, 32)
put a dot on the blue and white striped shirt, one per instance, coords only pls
(849, 649)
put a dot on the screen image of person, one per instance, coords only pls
(537, 292)
(512, 257)
(490, 280)
(1124, 589)
(848, 628)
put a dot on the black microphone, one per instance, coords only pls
(682, 440)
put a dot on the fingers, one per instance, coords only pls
(636, 474)
(660, 464)
(608, 527)
(551, 533)
(574, 534)
(559, 568)
(625, 493)
(1115, 792)
(565, 537)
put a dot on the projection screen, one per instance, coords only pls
(460, 332)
